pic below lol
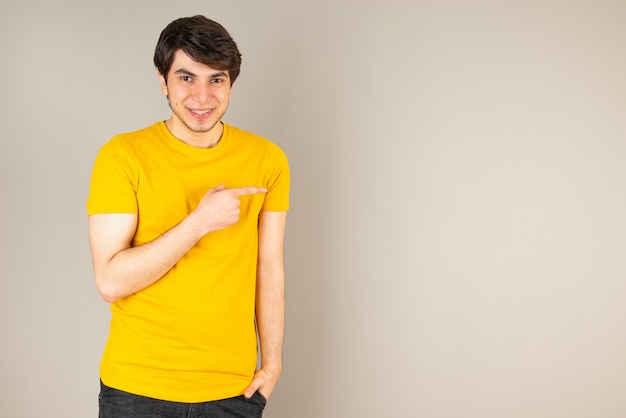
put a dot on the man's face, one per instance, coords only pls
(198, 96)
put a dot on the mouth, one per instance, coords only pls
(200, 113)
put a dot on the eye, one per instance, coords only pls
(217, 80)
(185, 78)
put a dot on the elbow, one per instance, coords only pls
(108, 295)
(108, 292)
(109, 298)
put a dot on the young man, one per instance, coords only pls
(186, 227)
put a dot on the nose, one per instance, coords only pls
(202, 92)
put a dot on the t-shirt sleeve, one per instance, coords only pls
(277, 196)
(113, 182)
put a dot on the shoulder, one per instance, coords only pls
(132, 145)
(127, 148)
(252, 141)
(138, 137)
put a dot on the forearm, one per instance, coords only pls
(122, 269)
(270, 311)
(135, 268)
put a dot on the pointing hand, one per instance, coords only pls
(220, 206)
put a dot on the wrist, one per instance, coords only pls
(198, 228)
(273, 369)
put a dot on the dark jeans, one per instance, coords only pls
(119, 404)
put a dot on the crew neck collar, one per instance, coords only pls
(185, 147)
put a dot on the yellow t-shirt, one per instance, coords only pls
(191, 336)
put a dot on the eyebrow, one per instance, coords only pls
(189, 73)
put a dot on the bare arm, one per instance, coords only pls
(270, 302)
(121, 270)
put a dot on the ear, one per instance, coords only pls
(163, 82)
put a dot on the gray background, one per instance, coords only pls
(457, 235)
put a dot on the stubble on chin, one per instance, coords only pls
(200, 128)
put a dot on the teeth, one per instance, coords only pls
(200, 112)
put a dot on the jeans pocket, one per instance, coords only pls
(260, 398)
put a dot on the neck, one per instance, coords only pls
(198, 139)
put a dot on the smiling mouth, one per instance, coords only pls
(199, 112)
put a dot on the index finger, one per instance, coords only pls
(243, 191)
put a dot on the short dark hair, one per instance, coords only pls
(203, 40)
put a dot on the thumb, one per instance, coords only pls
(253, 387)
(217, 188)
